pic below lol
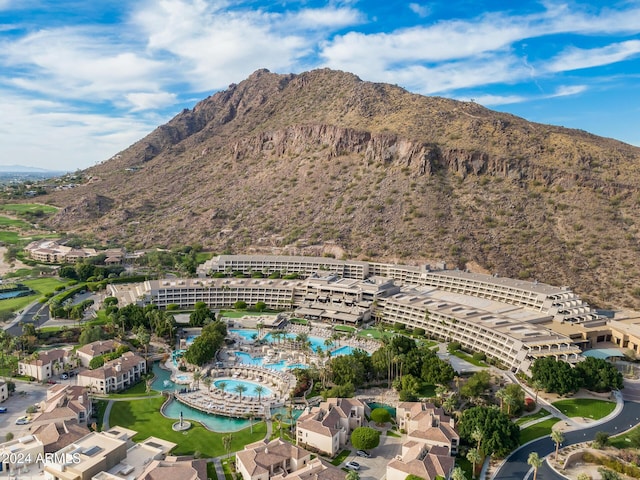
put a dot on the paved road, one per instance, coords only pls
(516, 467)
(28, 315)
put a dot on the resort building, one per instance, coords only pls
(88, 352)
(59, 433)
(106, 455)
(428, 463)
(284, 265)
(270, 460)
(44, 364)
(511, 321)
(50, 251)
(19, 454)
(115, 375)
(175, 468)
(326, 428)
(428, 424)
(63, 403)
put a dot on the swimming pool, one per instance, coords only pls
(344, 350)
(250, 387)
(247, 359)
(190, 338)
(247, 334)
(217, 423)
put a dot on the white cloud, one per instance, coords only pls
(566, 90)
(577, 58)
(421, 10)
(493, 100)
(56, 136)
(148, 101)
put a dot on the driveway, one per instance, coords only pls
(26, 394)
(375, 468)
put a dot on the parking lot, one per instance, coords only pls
(375, 468)
(26, 394)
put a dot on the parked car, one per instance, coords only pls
(64, 376)
(3, 409)
(72, 374)
(51, 382)
(352, 465)
(362, 453)
(22, 421)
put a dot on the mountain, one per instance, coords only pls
(324, 163)
(25, 169)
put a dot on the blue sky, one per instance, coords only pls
(81, 80)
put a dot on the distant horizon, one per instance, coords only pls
(80, 82)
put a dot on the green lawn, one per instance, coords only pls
(427, 390)
(228, 467)
(469, 358)
(144, 417)
(374, 333)
(39, 285)
(538, 430)
(341, 457)
(299, 321)
(585, 407)
(27, 207)
(211, 471)
(11, 222)
(534, 416)
(623, 440)
(344, 328)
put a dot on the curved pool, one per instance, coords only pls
(232, 384)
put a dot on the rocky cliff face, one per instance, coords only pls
(323, 163)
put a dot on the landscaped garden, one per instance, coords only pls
(585, 407)
(144, 417)
(538, 430)
(534, 416)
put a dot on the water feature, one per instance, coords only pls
(389, 408)
(190, 338)
(246, 359)
(217, 423)
(247, 334)
(250, 387)
(344, 350)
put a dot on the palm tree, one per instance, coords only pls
(226, 443)
(207, 382)
(473, 455)
(222, 386)
(240, 389)
(557, 437)
(537, 386)
(458, 474)
(501, 395)
(249, 416)
(259, 389)
(478, 436)
(535, 461)
(278, 418)
(197, 375)
(352, 475)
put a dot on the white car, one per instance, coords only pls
(22, 421)
(352, 465)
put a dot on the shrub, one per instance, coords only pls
(479, 356)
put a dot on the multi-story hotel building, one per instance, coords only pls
(510, 320)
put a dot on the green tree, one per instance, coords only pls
(240, 389)
(352, 475)
(599, 375)
(226, 443)
(458, 474)
(380, 415)
(365, 438)
(558, 438)
(555, 375)
(478, 383)
(206, 345)
(201, 315)
(473, 455)
(535, 461)
(601, 439)
(96, 362)
(499, 435)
